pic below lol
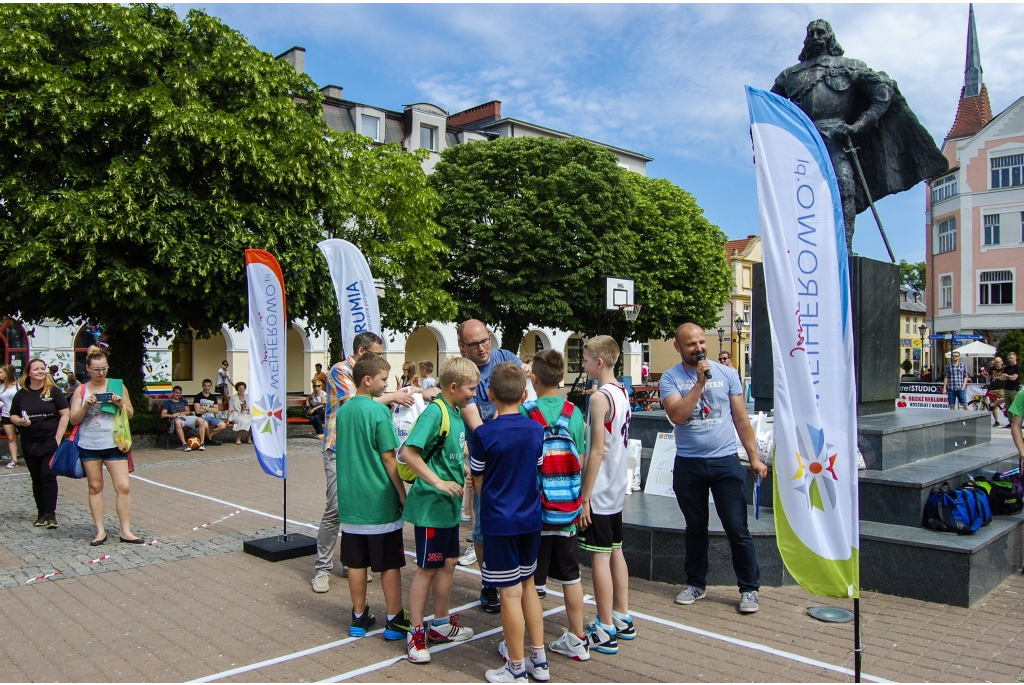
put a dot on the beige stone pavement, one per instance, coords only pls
(158, 618)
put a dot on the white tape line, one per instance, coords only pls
(220, 501)
(394, 660)
(753, 645)
(647, 617)
(307, 652)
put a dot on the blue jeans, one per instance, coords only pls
(954, 395)
(724, 477)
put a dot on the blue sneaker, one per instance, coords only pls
(601, 640)
(398, 627)
(362, 624)
(624, 628)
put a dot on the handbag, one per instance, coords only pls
(65, 461)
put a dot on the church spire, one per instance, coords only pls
(975, 110)
(972, 70)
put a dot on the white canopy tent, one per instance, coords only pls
(974, 349)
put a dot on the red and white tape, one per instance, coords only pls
(43, 577)
(205, 525)
(96, 561)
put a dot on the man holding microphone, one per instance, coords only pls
(704, 400)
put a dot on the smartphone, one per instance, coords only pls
(104, 396)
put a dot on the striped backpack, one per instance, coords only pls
(561, 471)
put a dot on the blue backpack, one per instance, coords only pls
(958, 511)
(561, 471)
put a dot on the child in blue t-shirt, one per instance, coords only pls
(506, 458)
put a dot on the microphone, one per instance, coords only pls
(700, 358)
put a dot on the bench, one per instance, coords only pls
(296, 402)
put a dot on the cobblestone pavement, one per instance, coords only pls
(196, 607)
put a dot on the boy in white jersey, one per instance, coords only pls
(604, 492)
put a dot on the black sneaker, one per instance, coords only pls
(542, 591)
(398, 627)
(362, 624)
(40, 522)
(490, 600)
(214, 441)
(51, 522)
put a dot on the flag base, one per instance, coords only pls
(280, 547)
(830, 614)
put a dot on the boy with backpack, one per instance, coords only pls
(506, 459)
(435, 453)
(604, 493)
(370, 498)
(561, 503)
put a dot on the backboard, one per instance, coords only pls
(618, 291)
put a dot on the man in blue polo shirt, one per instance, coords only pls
(475, 345)
(708, 413)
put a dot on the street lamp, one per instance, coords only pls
(923, 329)
(739, 345)
(721, 339)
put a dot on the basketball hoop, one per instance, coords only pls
(632, 311)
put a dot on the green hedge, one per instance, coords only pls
(295, 411)
(143, 422)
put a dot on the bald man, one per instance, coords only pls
(708, 414)
(475, 345)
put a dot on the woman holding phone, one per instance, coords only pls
(40, 411)
(95, 406)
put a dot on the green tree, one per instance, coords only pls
(1012, 341)
(144, 153)
(533, 226)
(681, 269)
(914, 275)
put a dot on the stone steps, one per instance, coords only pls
(898, 496)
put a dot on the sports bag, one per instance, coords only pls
(961, 511)
(561, 499)
(65, 461)
(1005, 493)
(406, 473)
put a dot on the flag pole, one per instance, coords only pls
(285, 512)
(857, 649)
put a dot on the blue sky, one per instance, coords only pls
(663, 80)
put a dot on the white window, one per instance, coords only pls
(947, 235)
(428, 137)
(991, 229)
(746, 313)
(946, 291)
(746, 277)
(371, 126)
(1022, 227)
(995, 287)
(1007, 171)
(944, 188)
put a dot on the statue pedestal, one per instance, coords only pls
(875, 291)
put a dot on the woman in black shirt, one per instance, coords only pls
(40, 411)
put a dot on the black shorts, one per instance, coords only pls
(5, 421)
(558, 559)
(380, 552)
(604, 533)
(435, 545)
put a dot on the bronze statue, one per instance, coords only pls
(877, 145)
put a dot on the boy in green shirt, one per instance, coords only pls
(434, 507)
(370, 498)
(557, 556)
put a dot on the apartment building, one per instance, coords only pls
(975, 218)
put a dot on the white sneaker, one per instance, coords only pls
(448, 632)
(503, 675)
(466, 517)
(690, 594)
(321, 582)
(570, 646)
(540, 672)
(469, 558)
(416, 646)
